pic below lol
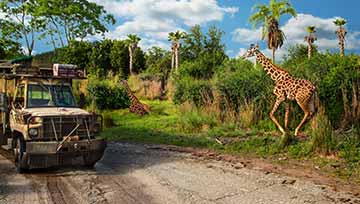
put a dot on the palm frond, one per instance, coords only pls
(340, 21)
(311, 29)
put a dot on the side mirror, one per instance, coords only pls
(3, 102)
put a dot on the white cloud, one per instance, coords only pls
(154, 19)
(295, 30)
(246, 36)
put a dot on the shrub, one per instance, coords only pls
(106, 96)
(239, 83)
(194, 120)
(322, 133)
(191, 90)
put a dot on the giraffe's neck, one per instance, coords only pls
(133, 98)
(272, 70)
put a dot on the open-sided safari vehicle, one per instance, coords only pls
(40, 120)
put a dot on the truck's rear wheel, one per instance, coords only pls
(19, 149)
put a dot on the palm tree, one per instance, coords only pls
(341, 33)
(132, 43)
(268, 17)
(175, 38)
(310, 39)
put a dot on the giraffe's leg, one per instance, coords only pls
(287, 110)
(276, 106)
(303, 106)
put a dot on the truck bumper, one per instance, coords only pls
(45, 154)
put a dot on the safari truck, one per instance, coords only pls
(40, 120)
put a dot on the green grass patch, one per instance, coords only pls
(167, 125)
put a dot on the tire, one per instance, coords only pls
(19, 150)
(88, 162)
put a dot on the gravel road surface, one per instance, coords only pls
(134, 173)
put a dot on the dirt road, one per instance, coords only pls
(131, 173)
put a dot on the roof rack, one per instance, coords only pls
(58, 71)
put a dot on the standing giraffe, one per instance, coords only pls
(135, 105)
(286, 87)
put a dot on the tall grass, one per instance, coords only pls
(145, 88)
(322, 133)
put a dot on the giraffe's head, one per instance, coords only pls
(252, 51)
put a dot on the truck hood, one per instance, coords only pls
(56, 111)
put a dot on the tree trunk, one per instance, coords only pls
(355, 100)
(347, 112)
(309, 50)
(176, 59)
(131, 60)
(273, 55)
(172, 60)
(342, 49)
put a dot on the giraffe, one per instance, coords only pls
(286, 87)
(135, 105)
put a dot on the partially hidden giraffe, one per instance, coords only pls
(286, 87)
(135, 105)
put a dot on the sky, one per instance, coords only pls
(152, 20)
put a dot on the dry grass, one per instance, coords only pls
(146, 89)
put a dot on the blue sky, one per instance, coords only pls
(152, 20)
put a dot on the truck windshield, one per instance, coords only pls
(50, 96)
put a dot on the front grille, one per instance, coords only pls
(59, 127)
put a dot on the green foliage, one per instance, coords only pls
(330, 73)
(75, 19)
(22, 21)
(201, 54)
(349, 148)
(119, 57)
(107, 96)
(99, 58)
(191, 90)
(158, 62)
(322, 133)
(140, 61)
(239, 82)
(9, 34)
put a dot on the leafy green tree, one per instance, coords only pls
(9, 45)
(341, 33)
(175, 38)
(158, 63)
(140, 62)
(23, 20)
(67, 20)
(268, 16)
(77, 52)
(132, 42)
(100, 58)
(310, 39)
(119, 56)
(202, 53)
(193, 44)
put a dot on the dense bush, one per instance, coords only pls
(188, 89)
(337, 80)
(106, 96)
(239, 82)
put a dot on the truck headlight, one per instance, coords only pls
(33, 132)
(36, 120)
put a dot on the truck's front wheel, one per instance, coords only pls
(19, 149)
